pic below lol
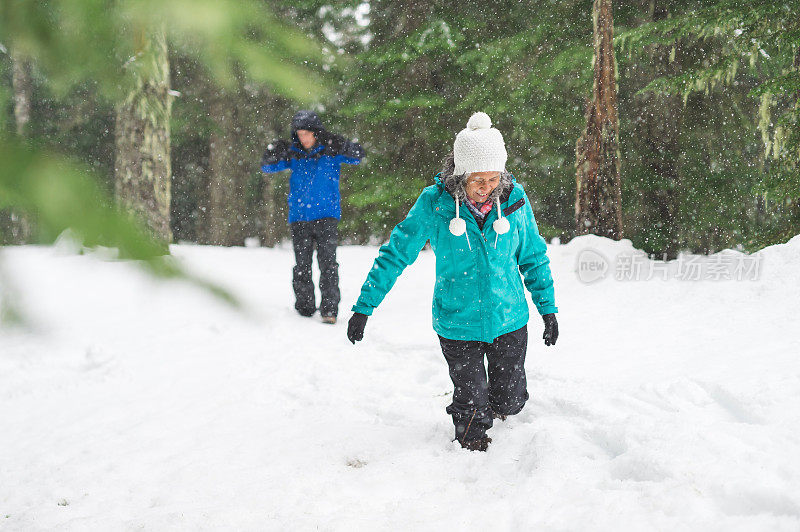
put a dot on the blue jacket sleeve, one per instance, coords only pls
(534, 264)
(342, 159)
(276, 167)
(405, 242)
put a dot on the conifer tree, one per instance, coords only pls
(142, 167)
(754, 45)
(226, 210)
(598, 203)
(18, 226)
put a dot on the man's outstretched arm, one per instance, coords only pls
(350, 152)
(276, 157)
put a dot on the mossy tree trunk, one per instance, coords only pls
(142, 166)
(23, 92)
(15, 226)
(598, 202)
(226, 212)
(272, 115)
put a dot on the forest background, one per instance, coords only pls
(708, 105)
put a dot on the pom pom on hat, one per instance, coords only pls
(479, 147)
(479, 120)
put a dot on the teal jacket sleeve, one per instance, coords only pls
(405, 242)
(534, 264)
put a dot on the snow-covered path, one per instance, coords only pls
(132, 403)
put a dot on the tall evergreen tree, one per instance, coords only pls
(142, 168)
(654, 132)
(23, 92)
(18, 228)
(749, 48)
(598, 203)
(228, 178)
(220, 195)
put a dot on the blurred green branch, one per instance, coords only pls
(70, 42)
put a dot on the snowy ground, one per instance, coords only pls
(130, 403)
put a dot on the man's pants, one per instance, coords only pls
(475, 398)
(324, 234)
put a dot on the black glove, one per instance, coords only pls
(334, 144)
(276, 151)
(355, 327)
(550, 329)
(354, 149)
(338, 145)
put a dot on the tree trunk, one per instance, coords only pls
(23, 93)
(271, 206)
(659, 128)
(142, 167)
(225, 215)
(795, 162)
(598, 202)
(13, 223)
(270, 236)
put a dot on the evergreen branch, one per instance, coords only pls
(61, 196)
(788, 83)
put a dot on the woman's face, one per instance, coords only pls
(480, 184)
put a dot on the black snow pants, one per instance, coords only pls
(323, 233)
(475, 398)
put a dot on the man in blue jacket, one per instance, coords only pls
(314, 156)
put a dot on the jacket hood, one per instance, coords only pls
(306, 120)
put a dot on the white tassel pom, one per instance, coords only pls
(458, 226)
(501, 226)
(479, 121)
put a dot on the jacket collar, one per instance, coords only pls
(310, 153)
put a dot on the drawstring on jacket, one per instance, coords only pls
(501, 225)
(458, 226)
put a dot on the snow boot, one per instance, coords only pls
(306, 312)
(501, 417)
(329, 319)
(480, 444)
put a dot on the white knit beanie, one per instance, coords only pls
(479, 147)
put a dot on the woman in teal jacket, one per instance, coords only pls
(482, 230)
